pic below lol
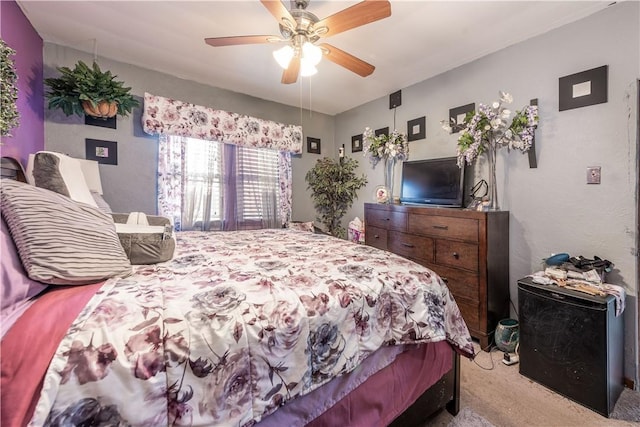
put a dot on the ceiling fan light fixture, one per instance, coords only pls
(311, 53)
(283, 56)
(307, 68)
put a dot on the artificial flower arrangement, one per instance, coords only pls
(385, 147)
(489, 128)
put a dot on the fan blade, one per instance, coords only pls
(359, 14)
(278, 10)
(290, 75)
(236, 40)
(347, 60)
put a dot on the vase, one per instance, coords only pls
(493, 190)
(389, 168)
(506, 335)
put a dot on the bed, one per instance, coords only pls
(265, 328)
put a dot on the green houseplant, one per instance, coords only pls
(89, 90)
(333, 185)
(9, 115)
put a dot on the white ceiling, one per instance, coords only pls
(421, 39)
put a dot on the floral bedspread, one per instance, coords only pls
(237, 324)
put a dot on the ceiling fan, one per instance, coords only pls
(302, 29)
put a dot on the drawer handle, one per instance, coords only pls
(375, 236)
(441, 227)
(456, 255)
(407, 245)
(387, 219)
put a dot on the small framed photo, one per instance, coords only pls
(582, 89)
(356, 143)
(382, 131)
(416, 129)
(104, 152)
(313, 145)
(457, 115)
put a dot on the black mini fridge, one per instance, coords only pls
(572, 343)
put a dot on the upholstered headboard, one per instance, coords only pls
(12, 169)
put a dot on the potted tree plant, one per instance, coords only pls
(89, 90)
(333, 186)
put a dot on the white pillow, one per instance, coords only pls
(62, 174)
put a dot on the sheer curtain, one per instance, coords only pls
(207, 185)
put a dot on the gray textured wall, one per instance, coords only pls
(552, 208)
(131, 185)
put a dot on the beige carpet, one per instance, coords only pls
(493, 394)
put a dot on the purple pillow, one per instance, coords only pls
(16, 286)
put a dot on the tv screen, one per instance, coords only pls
(438, 182)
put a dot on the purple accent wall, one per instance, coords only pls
(19, 34)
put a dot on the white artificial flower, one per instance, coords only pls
(495, 104)
(506, 113)
(487, 127)
(506, 97)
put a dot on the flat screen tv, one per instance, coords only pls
(438, 182)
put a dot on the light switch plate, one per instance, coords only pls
(593, 175)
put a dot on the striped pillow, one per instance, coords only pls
(60, 241)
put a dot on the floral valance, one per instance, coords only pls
(165, 116)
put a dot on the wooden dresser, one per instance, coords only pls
(468, 249)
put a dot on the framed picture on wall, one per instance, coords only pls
(382, 131)
(356, 143)
(582, 89)
(313, 145)
(457, 115)
(416, 129)
(104, 152)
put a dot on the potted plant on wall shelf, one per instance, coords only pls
(89, 90)
(334, 186)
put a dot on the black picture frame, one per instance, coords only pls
(104, 152)
(395, 99)
(582, 89)
(356, 143)
(313, 145)
(382, 131)
(110, 123)
(416, 129)
(457, 115)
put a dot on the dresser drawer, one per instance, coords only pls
(411, 246)
(444, 226)
(461, 283)
(390, 220)
(470, 313)
(376, 237)
(457, 254)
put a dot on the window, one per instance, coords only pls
(207, 185)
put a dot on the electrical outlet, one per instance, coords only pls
(593, 175)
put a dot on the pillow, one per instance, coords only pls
(101, 202)
(61, 242)
(17, 287)
(61, 174)
(301, 226)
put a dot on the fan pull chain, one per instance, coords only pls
(310, 109)
(300, 97)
